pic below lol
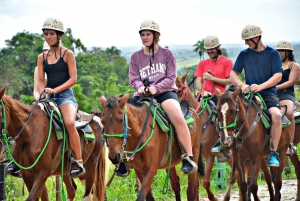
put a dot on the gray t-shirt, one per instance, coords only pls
(162, 74)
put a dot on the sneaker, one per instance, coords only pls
(274, 161)
(216, 149)
(188, 164)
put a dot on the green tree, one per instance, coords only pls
(224, 52)
(72, 43)
(199, 48)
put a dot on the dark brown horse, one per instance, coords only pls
(294, 157)
(31, 141)
(149, 158)
(248, 146)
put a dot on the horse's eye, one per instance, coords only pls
(120, 121)
(232, 111)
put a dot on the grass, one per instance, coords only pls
(125, 189)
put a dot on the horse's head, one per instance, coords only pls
(181, 86)
(228, 111)
(115, 125)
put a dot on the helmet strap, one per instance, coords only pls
(256, 44)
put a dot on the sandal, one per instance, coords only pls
(13, 169)
(78, 170)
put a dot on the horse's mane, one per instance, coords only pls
(8, 100)
(112, 102)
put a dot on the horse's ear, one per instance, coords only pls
(183, 79)
(123, 100)
(236, 92)
(2, 91)
(102, 100)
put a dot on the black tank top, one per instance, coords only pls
(57, 73)
(285, 78)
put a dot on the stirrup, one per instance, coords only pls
(16, 172)
(186, 160)
(123, 170)
(79, 167)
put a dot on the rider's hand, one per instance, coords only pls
(152, 90)
(141, 90)
(207, 76)
(245, 88)
(49, 91)
(255, 88)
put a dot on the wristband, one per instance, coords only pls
(242, 84)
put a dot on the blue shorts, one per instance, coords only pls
(63, 97)
(162, 97)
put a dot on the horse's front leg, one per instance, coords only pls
(175, 183)
(239, 162)
(278, 178)
(254, 171)
(268, 178)
(71, 187)
(206, 180)
(296, 162)
(146, 179)
(38, 186)
(233, 178)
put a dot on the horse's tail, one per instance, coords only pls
(102, 173)
(200, 162)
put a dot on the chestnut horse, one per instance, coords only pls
(294, 157)
(30, 143)
(120, 117)
(209, 135)
(235, 124)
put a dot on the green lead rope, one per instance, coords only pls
(43, 150)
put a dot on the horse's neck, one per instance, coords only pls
(192, 101)
(16, 115)
(136, 116)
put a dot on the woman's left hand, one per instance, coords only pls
(49, 91)
(152, 90)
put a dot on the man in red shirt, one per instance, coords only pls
(213, 73)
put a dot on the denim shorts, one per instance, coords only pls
(63, 97)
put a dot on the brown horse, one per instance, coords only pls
(29, 145)
(209, 135)
(294, 157)
(153, 144)
(246, 145)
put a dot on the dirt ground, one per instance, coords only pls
(288, 192)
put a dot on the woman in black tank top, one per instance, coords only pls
(60, 65)
(285, 88)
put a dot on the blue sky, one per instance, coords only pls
(116, 22)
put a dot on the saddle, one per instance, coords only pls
(163, 120)
(82, 125)
(82, 120)
(266, 116)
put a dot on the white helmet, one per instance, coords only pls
(251, 31)
(46, 46)
(149, 25)
(284, 45)
(54, 24)
(211, 42)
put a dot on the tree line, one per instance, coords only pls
(100, 71)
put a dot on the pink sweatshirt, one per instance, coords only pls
(162, 74)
